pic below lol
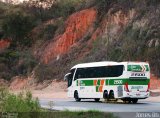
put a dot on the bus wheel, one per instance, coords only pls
(129, 101)
(76, 96)
(105, 95)
(135, 101)
(111, 95)
(96, 99)
(124, 101)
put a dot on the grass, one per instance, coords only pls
(24, 106)
(68, 114)
(18, 103)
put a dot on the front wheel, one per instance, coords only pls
(76, 96)
(135, 101)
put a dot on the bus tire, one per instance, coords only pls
(124, 101)
(135, 101)
(96, 99)
(76, 96)
(111, 94)
(129, 101)
(105, 95)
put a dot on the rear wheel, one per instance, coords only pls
(96, 99)
(105, 95)
(111, 95)
(135, 101)
(76, 96)
(127, 101)
(124, 101)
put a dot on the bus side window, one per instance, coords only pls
(78, 74)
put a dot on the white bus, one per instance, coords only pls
(128, 81)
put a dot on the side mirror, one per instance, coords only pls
(66, 76)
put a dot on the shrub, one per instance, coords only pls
(63, 8)
(47, 32)
(13, 63)
(18, 103)
(17, 25)
(44, 72)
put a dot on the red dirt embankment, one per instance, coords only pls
(76, 27)
(46, 89)
(4, 44)
(155, 82)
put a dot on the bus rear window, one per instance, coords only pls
(97, 72)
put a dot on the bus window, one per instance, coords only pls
(96, 72)
(115, 71)
(79, 74)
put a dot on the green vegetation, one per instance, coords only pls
(79, 114)
(17, 22)
(16, 26)
(66, 114)
(55, 9)
(44, 72)
(24, 106)
(18, 103)
(14, 62)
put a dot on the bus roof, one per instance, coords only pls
(104, 63)
(96, 64)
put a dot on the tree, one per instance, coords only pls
(17, 25)
(40, 7)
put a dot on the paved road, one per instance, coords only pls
(70, 104)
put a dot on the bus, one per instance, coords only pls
(128, 81)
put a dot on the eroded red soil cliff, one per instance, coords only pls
(76, 27)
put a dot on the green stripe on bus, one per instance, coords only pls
(147, 67)
(86, 82)
(129, 81)
(97, 87)
(106, 82)
(137, 68)
(114, 82)
(99, 82)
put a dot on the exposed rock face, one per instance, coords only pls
(76, 27)
(4, 44)
(113, 24)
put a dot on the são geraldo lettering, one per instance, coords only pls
(138, 74)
